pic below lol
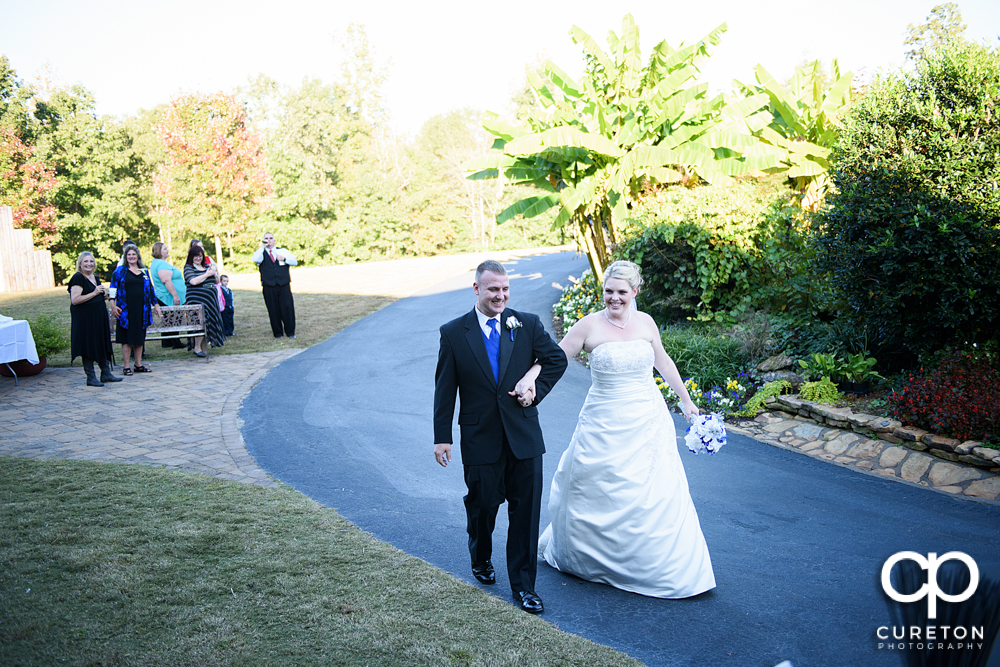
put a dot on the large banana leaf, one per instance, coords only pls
(493, 125)
(528, 207)
(665, 175)
(563, 136)
(562, 80)
(807, 168)
(745, 107)
(629, 59)
(580, 196)
(541, 90)
(690, 53)
(590, 46)
(808, 148)
(838, 95)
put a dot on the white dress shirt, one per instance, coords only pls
(258, 256)
(484, 322)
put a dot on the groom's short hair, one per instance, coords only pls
(492, 266)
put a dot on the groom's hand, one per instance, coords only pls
(442, 453)
(524, 391)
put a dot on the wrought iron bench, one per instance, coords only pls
(177, 322)
(174, 322)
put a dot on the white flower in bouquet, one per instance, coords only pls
(706, 434)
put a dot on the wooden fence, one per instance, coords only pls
(21, 266)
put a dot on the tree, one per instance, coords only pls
(15, 102)
(102, 184)
(26, 185)
(807, 113)
(599, 141)
(943, 25)
(912, 237)
(214, 176)
(26, 181)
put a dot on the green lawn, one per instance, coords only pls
(111, 564)
(318, 316)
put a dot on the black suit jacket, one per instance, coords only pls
(486, 411)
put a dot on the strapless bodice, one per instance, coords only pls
(622, 356)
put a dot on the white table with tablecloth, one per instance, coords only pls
(16, 342)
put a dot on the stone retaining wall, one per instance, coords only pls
(970, 452)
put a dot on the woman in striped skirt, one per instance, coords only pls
(200, 281)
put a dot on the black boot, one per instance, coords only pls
(106, 375)
(88, 368)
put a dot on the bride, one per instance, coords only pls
(620, 507)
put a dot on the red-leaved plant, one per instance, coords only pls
(958, 399)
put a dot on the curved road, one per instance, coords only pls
(797, 544)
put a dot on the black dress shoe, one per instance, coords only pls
(529, 602)
(484, 573)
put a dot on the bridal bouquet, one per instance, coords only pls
(705, 434)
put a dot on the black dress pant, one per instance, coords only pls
(280, 309)
(519, 482)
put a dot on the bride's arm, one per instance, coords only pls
(571, 344)
(668, 369)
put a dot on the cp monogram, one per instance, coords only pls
(930, 589)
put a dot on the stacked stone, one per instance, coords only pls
(971, 452)
(862, 442)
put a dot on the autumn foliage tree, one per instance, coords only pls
(25, 180)
(25, 184)
(213, 178)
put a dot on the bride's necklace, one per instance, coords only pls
(615, 324)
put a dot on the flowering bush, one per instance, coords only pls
(959, 399)
(579, 300)
(725, 401)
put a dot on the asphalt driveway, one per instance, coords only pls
(797, 544)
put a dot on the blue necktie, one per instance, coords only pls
(493, 349)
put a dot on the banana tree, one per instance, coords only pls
(807, 117)
(593, 144)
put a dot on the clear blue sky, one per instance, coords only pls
(442, 54)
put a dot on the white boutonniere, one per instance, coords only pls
(513, 323)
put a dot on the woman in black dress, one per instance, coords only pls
(200, 280)
(90, 333)
(134, 303)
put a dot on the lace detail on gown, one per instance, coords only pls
(620, 506)
(621, 357)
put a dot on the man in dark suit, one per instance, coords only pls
(275, 280)
(483, 355)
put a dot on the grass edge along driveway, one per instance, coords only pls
(114, 564)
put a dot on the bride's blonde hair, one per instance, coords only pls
(627, 271)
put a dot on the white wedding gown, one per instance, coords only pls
(620, 507)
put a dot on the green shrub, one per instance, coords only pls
(823, 365)
(712, 253)
(821, 391)
(705, 354)
(912, 238)
(50, 338)
(776, 388)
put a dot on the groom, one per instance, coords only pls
(483, 355)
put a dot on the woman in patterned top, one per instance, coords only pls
(200, 280)
(134, 306)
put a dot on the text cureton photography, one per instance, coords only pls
(917, 626)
